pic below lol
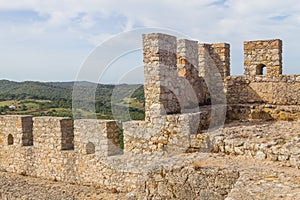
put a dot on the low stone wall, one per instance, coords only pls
(277, 90)
(169, 133)
(184, 176)
(263, 112)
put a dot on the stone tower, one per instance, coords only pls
(263, 54)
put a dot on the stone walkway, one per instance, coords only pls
(263, 180)
(275, 141)
(16, 187)
(256, 180)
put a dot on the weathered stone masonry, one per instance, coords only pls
(263, 53)
(188, 89)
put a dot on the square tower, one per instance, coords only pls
(263, 54)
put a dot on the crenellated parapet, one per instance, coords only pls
(189, 94)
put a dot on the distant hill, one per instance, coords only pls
(59, 95)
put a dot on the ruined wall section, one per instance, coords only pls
(214, 54)
(173, 93)
(279, 90)
(276, 141)
(168, 134)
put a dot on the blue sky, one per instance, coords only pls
(49, 40)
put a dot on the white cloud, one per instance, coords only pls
(75, 22)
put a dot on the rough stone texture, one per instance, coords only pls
(214, 54)
(160, 74)
(263, 53)
(191, 85)
(275, 141)
(181, 150)
(19, 127)
(280, 90)
(262, 112)
(102, 135)
(214, 66)
(185, 176)
(167, 133)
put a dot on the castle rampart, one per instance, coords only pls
(188, 89)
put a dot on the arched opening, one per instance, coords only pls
(261, 69)
(90, 148)
(10, 139)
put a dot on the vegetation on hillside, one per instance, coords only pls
(55, 99)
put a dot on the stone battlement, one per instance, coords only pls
(60, 134)
(189, 96)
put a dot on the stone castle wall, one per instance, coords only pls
(181, 75)
(249, 97)
(277, 90)
(188, 93)
(53, 155)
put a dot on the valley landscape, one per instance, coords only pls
(55, 99)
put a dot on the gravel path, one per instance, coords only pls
(14, 186)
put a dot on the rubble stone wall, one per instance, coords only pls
(48, 158)
(172, 81)
(188, 88)
(275, 141)
(170, 133)
(276, 90)
(263, 54)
